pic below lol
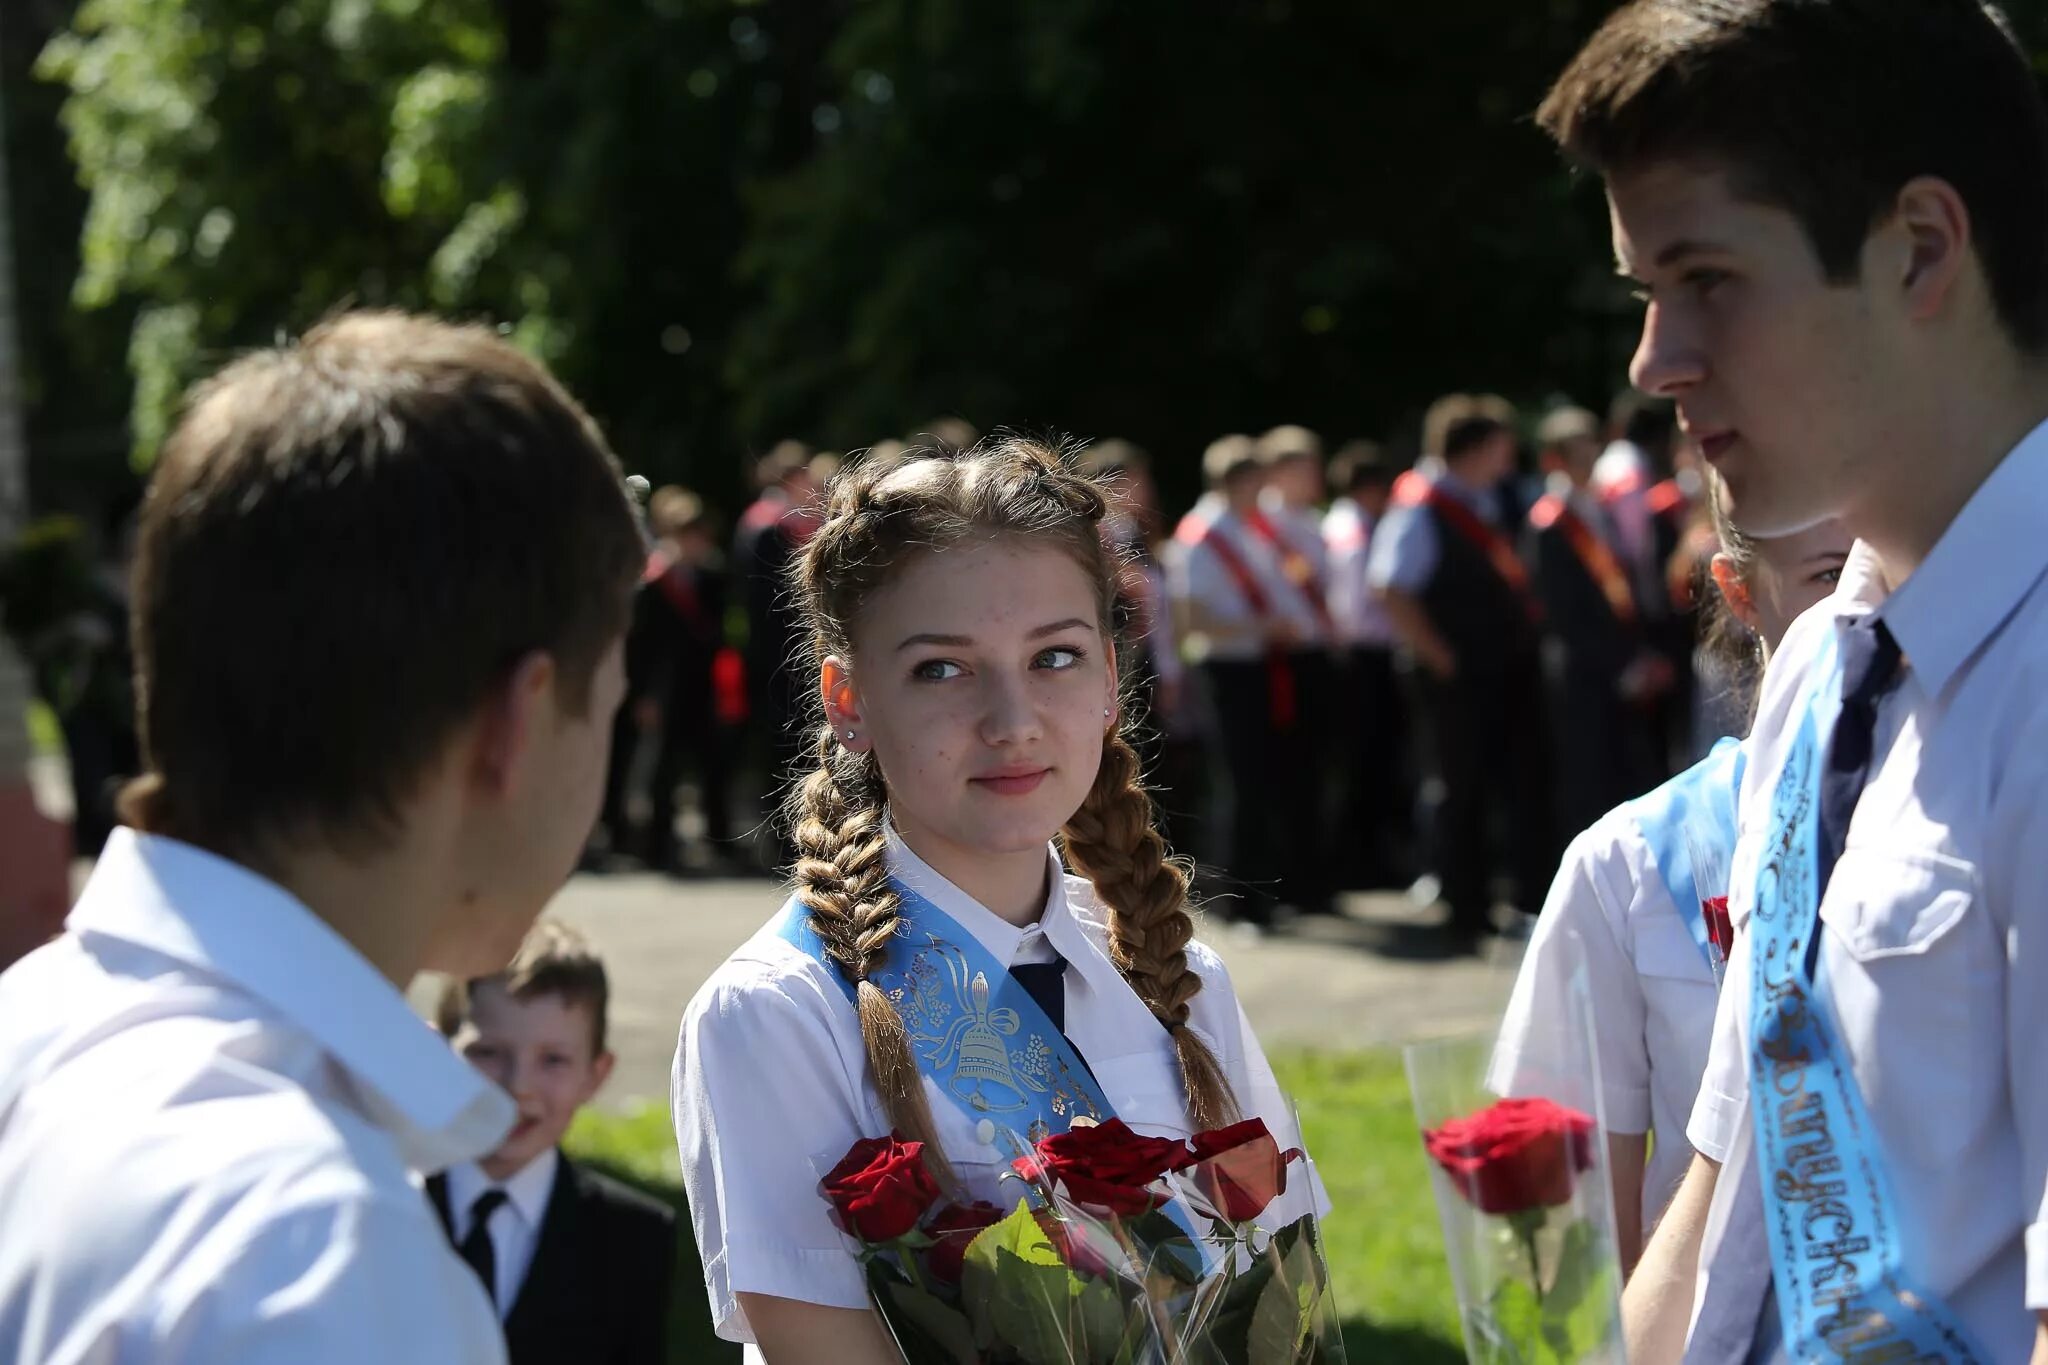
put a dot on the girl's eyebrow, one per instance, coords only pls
(961, 641)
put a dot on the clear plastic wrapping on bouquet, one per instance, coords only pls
(1523, 1190)
(1090, 1256)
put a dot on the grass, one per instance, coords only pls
(45, 739)
(1386, 1253)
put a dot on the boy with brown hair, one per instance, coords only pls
(381, 583)
(578, 1266)
(1837, 212)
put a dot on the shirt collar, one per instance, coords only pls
(527, 1190)
(997, 935)
(219, 917)
(1978, 572)
(1479, 500)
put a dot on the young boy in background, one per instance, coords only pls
(577, 1265)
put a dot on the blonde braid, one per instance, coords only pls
(842, 878)
(1112, 842)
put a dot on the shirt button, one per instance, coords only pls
(985, 1132)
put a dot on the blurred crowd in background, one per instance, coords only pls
(1284, 639)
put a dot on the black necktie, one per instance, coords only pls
(1046, 982)
(1870, 660)
(477, 1248)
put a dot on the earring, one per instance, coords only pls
(849, 734)
(1105, 713)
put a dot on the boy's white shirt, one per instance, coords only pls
(771, 1088)
(1935, 928)
(1652, 999)
(515, 1227)
(211, 1107)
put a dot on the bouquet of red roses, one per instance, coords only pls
(1120, 1249)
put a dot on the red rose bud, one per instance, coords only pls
(880, 1188)
(1105, 1167)
(1085, 1248)
(952, 1228)
(1238, 1170)
(1720, 928)
(1514, 1156)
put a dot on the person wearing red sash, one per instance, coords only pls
(1289, 521)
(673, 655)
(1599, 670)
(1242, 619)
(1460, 600)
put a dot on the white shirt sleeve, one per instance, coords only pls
(1404, 550)
(327, 1282)
(1723, 1103)
(1584, 919)
(2015, 870)
(764, 1107)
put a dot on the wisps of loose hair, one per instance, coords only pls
(881, 513)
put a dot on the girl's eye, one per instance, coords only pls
(1703, 280)
(1060, 658)
(1829, 576)
(936, 670)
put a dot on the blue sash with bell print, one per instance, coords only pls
(1837, 1256)
(973, 1027)
(1700, 800)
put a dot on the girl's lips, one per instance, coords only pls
(1012, 784)
(1715, 446)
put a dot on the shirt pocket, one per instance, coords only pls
(1663, 947)
(1916, 996)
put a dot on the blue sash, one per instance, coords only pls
(1844, 1289)
(1700, 800)
(973, 1027)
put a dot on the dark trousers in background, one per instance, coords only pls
(1375, 775)
(1489, 746)
(1277, 780)
(691, 737)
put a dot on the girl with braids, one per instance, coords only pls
(969, 734)
(1627, 892)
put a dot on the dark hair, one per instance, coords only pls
(1459, 423)
(553, 959)
(1359, 466)
(879, 516)
(346, 544)
(1826, 108)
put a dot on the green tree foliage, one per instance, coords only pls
(730, 220)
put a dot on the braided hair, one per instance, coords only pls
(880, 513)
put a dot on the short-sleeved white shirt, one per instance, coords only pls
(1359, 615)
(1200, 574)
(1934, 938)
(772, 1088)
(1651, 992)
(212, 1110)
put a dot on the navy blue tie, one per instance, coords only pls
(1046, 982)
(1870, 661)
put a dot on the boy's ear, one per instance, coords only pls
(600, 1072)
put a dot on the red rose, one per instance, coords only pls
(1239, 1170)
(1105, 1167)
(880, 1188)
(1720, 928)
(1086, 1248)
(951, 1229)
(1514, 1156)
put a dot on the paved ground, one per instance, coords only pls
(1373, 975)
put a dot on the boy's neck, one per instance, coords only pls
(387, 908)
(500, 1172)
(1934, 472)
